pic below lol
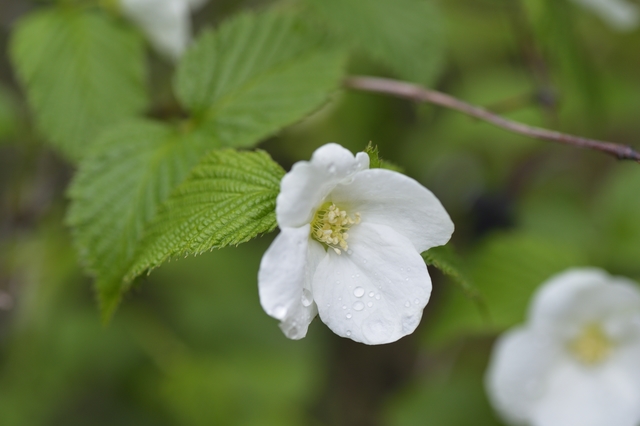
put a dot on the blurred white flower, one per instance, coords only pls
(577, 360)
(349, 248)
(166, 23)
(620, 15)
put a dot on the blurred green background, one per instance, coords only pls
(190, 345)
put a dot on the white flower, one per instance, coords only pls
(166, 23)
(620, 15)
(577, 360)
(349, 248)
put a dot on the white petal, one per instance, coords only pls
(389, 198)
(284, 280)
(588, 396)
(304, 188)
(518, 371)
(568, 301)
(375, 293)
(166, 23)
(621, 15)
(626, 358)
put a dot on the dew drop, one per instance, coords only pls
(358, 306)
(358, 292)
(417, 301)
(344, 306)
(407, 304)
(371, 294)
(332, 168)
(348, 316)
(377, 297)
(402, 269)
(349, 251)
(369, 304)
(406, 279)
(307, 297)
(357, 275)
(348, 333)
(408, 269)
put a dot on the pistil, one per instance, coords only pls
(592, 346)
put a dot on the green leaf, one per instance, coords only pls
(615, 213)
(255, 75)
(229, 198)
(82, 73)
(117, 190)
(404, 35)
(376, 162)
(374, 156)
(507, 269)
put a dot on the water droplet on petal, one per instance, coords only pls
(407, 304)
(307, 297)
(344, 306)
(371, 294)
(407, 279)
(417, 301)
(348, 316)
(331, 168)
(377, 297)
(369, 304)
(408, 269)
(349, 251)
(358, 292)
(348, 333)
(357, 275)
(358, 306)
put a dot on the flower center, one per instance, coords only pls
(592, 346)
(330, 224)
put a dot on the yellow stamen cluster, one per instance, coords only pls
(330, 225)
(592, 346)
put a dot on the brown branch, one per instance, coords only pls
(414, 92)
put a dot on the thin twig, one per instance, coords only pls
(417, 93)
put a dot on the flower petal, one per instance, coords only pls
(588, 396)
(284, 280)
(166, 23)
(570, 300)
(389, 198)
(620, 15)
(303, 189)
(521, 363)
(375, 292)
(625, 357)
